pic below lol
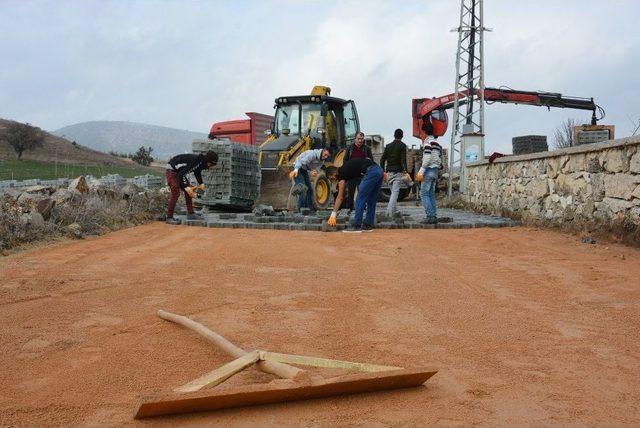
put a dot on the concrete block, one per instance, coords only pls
(227, 216)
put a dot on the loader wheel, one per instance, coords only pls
(322, 191)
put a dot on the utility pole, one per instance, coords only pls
(467, 133)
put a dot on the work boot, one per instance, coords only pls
(430, 220)
(173, 220)
(353, 229)
(367, 228)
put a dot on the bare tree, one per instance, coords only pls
(22, 137)
(564, 134)
(635, 125)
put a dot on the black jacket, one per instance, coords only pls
(365, 148)
(186, 163)
(354, 168)
(395, 156)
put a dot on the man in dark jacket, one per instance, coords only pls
(357, 150)
(394, 164)
(177, 170)
(368, 192)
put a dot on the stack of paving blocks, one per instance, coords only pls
(235, 181)
(317, 221)
(115, 180)
(147, 181)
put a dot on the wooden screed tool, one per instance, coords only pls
(195, 397)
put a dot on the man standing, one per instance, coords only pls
(309, 160)
(395, 160)
(357, 150)
(177, 169)
(368, 192)
(428, 175)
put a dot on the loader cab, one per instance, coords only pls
(328, 121)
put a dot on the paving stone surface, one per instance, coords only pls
(411, 217)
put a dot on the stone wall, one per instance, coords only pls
(580, 188)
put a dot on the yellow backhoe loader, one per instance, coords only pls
(304, 122)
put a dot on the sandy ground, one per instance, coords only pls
(527, 327)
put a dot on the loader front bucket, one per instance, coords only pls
(275, 188)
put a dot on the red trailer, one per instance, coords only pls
(246, 131)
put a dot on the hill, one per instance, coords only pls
(126, 137)
(70, 157)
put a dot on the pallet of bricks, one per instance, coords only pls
(235, 180)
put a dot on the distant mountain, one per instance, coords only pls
(61, 150)
(127, 137)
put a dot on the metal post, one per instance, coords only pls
(469, 86)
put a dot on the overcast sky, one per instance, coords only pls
(186, 64)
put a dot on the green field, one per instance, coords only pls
(28, 169)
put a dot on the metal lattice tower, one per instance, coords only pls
(468, 113)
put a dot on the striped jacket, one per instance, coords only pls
(431, 156)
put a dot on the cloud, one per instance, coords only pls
(188, 64)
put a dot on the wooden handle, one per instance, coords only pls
(279, 369)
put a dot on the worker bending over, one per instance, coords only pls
(368, 192)
(394, 164)
(428, 175)
(308, 161)
(178, 168)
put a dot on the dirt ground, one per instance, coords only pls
(527, 327)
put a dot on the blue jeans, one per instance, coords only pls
(305, 200)
(428, 191)
(368, 195)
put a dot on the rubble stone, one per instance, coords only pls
(44, 207)
(620, 185)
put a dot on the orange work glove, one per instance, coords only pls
(420, 177)
(293, 174)
(191, 191)
(200, 187)
(332, 220)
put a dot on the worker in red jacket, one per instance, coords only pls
(177, 170)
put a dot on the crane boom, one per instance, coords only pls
(429, 114)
